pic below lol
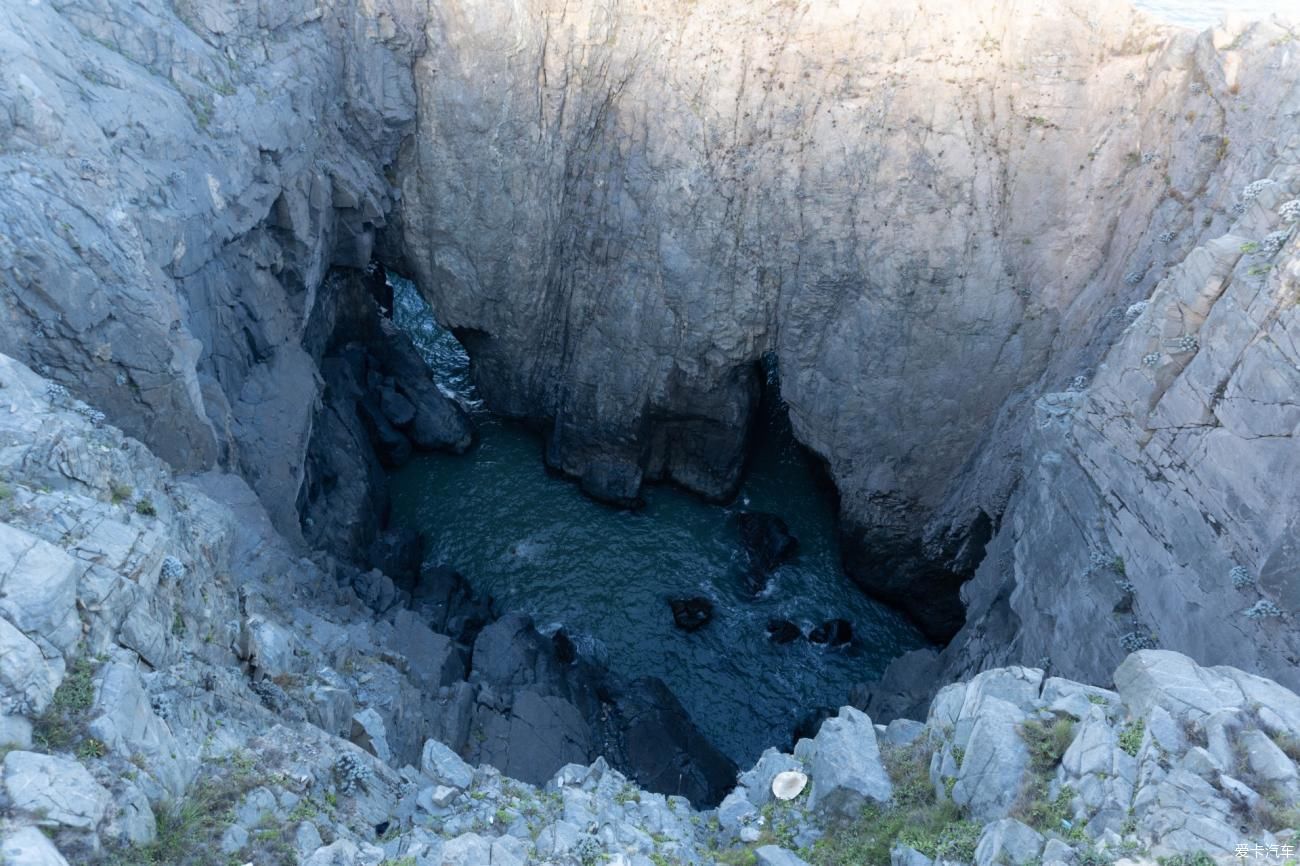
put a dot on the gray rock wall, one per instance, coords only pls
(930, 215)
(935, 218)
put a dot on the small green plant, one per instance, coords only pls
(1130, 737)
(119, 492)
(628, 794)
(1045, 813)
(1098, 700)
(1250, 247)
(1258, 270)
(145, 507)
(62, 724)
(1288, 744)
(1200, 858)
(1047, 742)
(91, 748)
(5, 492)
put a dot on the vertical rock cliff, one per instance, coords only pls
(932, 216)
(938, 220)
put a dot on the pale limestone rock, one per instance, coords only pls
(847, 771)
(54, 792)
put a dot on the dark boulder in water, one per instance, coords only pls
(833, 632)
(783, 631)
(767, 540)
(565, 650)
(691, 614)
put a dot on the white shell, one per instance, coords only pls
(788, 785)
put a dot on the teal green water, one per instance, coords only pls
(537, 545)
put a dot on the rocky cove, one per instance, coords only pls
(1028, 273)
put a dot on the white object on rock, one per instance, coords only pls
(788, 785)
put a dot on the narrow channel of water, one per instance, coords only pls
(537, 545)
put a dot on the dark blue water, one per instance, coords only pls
(537, 545)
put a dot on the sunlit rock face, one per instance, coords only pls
(931, 214)
(935, 216)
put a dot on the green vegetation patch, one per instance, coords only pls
(914, 818)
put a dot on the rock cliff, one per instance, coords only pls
(1029, 273)
(930, 215)
(178, 687)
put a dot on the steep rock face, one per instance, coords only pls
(178, 181)
(927, 213)
(933, 218)
(1154, 508)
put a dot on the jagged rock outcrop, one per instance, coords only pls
(152, 623)
(1150, 512)
(184, 683)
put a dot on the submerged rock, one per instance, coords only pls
(766, 539)
(691, 614)
(782, 631)
(833, 632)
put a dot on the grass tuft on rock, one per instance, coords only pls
(1047, 742)
(914, 818)
(62, 725)
(190, 829)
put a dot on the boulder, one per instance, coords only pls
(345, 852)
(691, 614)
(435, 660)
(1187, 691)
(38, 588)
(1270, 765)
(399, 411)
(903, 855)
(996, 759)
(534, 736)
(27, 678)
(833, 632)
(766, 539)
(472, 849)
(391, 445)
(511, 654)
(736, 811)
(444, 766)
(368, 733)
(54, 792)
(846, 768)
(903, 732)
(1008, 843)
(27, 846)
(757, 781)
(772, 855)
(124, 720)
